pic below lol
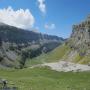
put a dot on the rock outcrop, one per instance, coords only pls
(79, 43)
(81, 35)
(76, 49)
(16, 45)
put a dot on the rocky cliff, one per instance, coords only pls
(76, 49)
(16, 45)
(79, 43)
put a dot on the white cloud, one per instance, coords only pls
(19, 18)
(50, 26)
(42, 6)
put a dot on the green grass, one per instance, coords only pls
(81, 59)
(85, 60)
(53, 56)
(58, 53)
(46, 79)
(77, 58)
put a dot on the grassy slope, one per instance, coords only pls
(85, 60)
(81, 59)
(61, 52)
(46, 79)
(53, 56)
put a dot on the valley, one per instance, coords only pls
(32, 60)
(46, 79)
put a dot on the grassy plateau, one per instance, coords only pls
(46, 79)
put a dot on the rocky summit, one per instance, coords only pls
(79, 43)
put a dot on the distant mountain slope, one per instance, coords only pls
(16, 45)
(17, 35)
(76, 49)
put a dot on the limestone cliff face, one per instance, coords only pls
(80, 36)
(79, 43)
(16, 45)
(8, 58)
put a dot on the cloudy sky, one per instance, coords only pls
(54, 17)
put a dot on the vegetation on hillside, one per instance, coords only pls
(16, 45)
(46, 79)
(64, 52)
(52, 56)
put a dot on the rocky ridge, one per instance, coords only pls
(16, 45)
(79, 43)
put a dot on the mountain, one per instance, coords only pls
(79, 43)
(76, 49)
(16, 45)
(17, 35)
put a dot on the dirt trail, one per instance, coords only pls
(65, 66)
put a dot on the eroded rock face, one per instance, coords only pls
(79, 43)
(16, 45)
(80, 37)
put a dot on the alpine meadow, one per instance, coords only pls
(44, 45)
